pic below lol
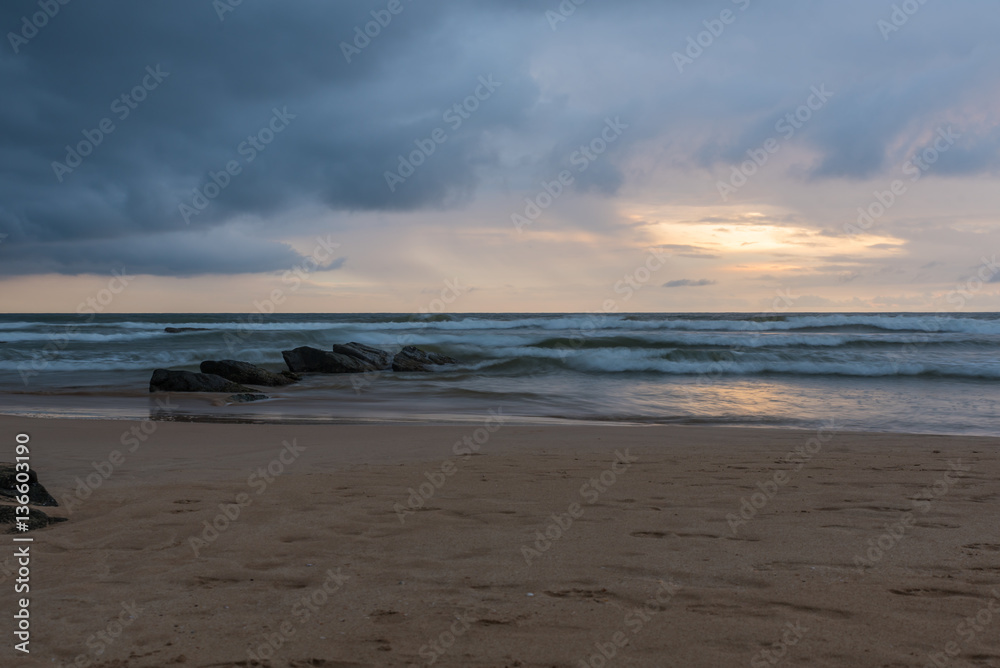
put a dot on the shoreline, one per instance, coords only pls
(880, 371)
(464, 421)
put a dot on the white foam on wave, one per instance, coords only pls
(580, 324)
(70, 359)
(665, 344)
(20, 325)
(586, 323)
(397, 336)
(78, 337)
(238, 324)
(619, 361)
(520, 342)
(630, 360)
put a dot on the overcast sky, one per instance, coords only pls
(535, 155)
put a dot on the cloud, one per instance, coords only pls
(224, 250)
(688, 250)
(687, 283)
(355, 121)
(221, 82)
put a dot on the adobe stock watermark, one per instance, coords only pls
(248, 149)
(122, 107)
(301, 612)
(90, 307)
(781, 303)
(439, 646)
(562, 13)
(591, 491)
(769, 489)
(636, 280)
(629, 284)
(915, 168)
(968, 629)
(455, 117)
(912, 351)
(31, 25)
(635, 621)
(321, 258)
(698, 44)
(895, 532)
(900, 16)
(133, 439)
(787, 126)
(470, 445)
(259, 480)
(773, 655)
(223, 7)
(105, 638)
(968, 289)
(381, 18)
(452, 292)
(582, 159)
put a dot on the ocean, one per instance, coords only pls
(914, 373)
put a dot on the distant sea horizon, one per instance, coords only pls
(906, 372)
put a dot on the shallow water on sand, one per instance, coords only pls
(884, 372)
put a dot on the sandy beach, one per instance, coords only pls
(497, 545)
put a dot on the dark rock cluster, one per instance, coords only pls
(234, 377)
(248, 374)
(412, 358)
(37, 496)
(166, 380)
(359, 358)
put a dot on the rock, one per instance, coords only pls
(294, 377)
(412, 358)
(166, 380)
(181, 330)
(35, 519)
(37, 494)
(246, 398)
(379, 359)
(312, 360)
(244, 372)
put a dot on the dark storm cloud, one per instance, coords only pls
(219, 85)
(218, 250)
(344, 125)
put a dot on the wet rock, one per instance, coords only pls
(412, 358)
(377, 358)
(313, 360)
(166, 380)
(246, 398)
(35, 519)
(245, 373)
(37, 494)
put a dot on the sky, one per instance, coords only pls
(499, 156)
